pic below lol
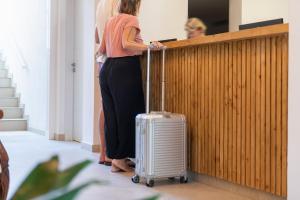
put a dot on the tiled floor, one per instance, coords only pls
(27, 149)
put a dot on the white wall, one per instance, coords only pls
(294, 106)
(249, 11)
(260, 10)
(24, 39)
(235, 14)
(163, 19)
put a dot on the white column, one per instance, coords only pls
(294, 102)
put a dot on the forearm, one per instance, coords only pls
(134, 46)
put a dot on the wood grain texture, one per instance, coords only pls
(234, 94)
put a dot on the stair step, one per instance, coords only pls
(12, 112)
(2, 64)
(7, 92)
(5, 82)
(3, 73)
(9, 102)
(13, 124)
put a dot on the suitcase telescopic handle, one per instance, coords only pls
(148, 80)
(163, 83)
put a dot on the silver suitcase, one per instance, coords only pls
(161, 150)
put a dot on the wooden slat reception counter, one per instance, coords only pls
(233, 88)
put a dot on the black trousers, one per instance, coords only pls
(123, 100)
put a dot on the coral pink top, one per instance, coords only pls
(111, 44)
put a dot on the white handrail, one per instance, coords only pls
(17, 51)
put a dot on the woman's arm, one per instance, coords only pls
(128, 40)
(97, 39)
(102, 49)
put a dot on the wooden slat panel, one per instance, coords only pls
(176, 81)
(193, 108)
(234, 112)
(239, 113)
(248, 117)
(213, 112)
(226, 112)
(222, 100)
(278, 115)
(244, 111)
(217, 107)
(284, 113)
(268, 115)
(203, 75)
(253, 109)
(210, 108)
(206, 107)
(258, 114)
(263, 114)
(234, 95)
(198, 102)
(230, 116)
(273, 115)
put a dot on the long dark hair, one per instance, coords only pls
(130, 7)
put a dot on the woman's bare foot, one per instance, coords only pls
(102, 159)
(121, 164)
(130, 163)
(115, 169)
(107, 161)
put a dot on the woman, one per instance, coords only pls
(105, 10)
(195, 28)
(121, 82)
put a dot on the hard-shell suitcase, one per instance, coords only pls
(161, 150)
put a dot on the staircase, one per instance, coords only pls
(13, 114)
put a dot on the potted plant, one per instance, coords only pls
(47, 182)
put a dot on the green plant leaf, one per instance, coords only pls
(64, 194)
(40, 180)
(65, 177)
(152, 198)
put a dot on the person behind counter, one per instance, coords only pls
(195, 28)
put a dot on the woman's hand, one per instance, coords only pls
(156, 46)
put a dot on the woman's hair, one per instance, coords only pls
(195, 24)
(130, 7)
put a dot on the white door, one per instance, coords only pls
(84, 29)
(78, 69)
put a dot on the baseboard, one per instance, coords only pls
(37, 131)
(93, 148)
(60, 137)
(231, 187)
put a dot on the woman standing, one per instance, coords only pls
(105, 10)
(121, 82)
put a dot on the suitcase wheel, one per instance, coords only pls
(183, 179)
(150, 183)
(135, 179)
